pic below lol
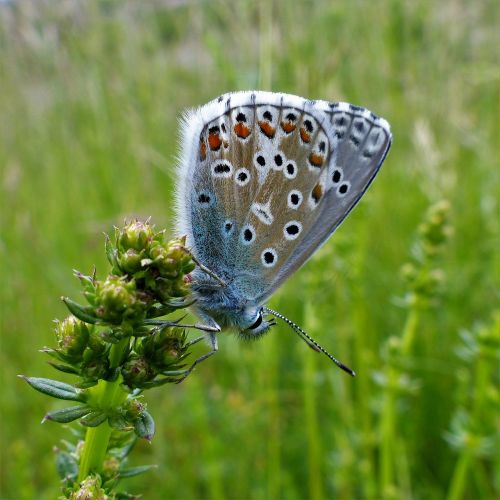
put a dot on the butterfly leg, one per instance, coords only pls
(213, 343)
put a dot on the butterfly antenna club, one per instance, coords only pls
(309, 340)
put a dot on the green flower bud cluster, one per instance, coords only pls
(118, 344)
(116, 299)
(91, 487)
(81, 351)
(159, 267)
(423, 277)
(158, 354)
(473, 428)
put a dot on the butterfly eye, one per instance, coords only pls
(257, 322)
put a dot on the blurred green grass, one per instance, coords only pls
(90, 95)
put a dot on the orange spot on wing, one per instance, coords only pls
(214, 141)
(267, 129)
(305, 135)
(317, 193)
(203, 150)
(316, 160)
(288, 127)
(241, 130)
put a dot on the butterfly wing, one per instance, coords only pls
(359, 143)
(266, 178)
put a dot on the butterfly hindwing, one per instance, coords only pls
(266, 178)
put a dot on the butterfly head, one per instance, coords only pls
(259, 324)
(226, 305)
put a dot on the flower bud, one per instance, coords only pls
(168, 348)
(72, 336)
(90, 489)
(130, 261)
(135, 235)
(136, 371)
(133, 409)
(117, 300)
(110, 467)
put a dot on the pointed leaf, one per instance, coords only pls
(56, 389)
(123, 495)
(85, 384)
(64, 368)
(144, 426)
(66, 415)
(110, 251)
(81, 312)
(135, 471)
(94, 418)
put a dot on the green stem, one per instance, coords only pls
(315, 468)
(457, 487)
(107, 395)
(410, 330)
(386, 432)
(388, 417)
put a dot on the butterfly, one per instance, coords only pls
(264, 179)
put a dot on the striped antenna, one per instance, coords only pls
(309, 340)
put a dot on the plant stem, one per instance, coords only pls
(410, 330)
(108, 395)
(457, 486)
(388, 417)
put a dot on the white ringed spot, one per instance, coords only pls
(294, 199)
(343, 189)
(242, 176)
(222, 169)
(292, 230)
(290, 169)
(247, 235)
(269, 257)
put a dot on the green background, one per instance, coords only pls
(90, 96)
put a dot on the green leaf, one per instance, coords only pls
(64, 368)
(158, 382)
(66, 465)
(144, 426)
(94, 418)
(87, 383)
(56, 389)
(66, 415)
(81, 312)
(110, 251)
(135, 471)
(123, 495)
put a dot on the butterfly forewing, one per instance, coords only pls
(269, 177)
